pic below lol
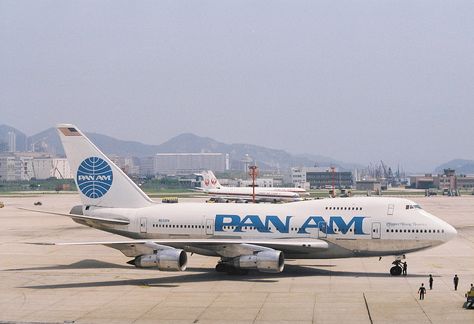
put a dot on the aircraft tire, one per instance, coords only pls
(220, 267)
(395, 271)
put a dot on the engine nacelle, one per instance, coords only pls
(170, 259)
(265, 261)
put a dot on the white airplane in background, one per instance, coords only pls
(211, 186)
(244, 236)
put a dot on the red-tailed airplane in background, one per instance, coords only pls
(211, 186)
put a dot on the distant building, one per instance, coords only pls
(426, 181)
(465, 182)
(298, 178)
(3, 146)
(15, 168)
(45, 168)
(129, 165)
(7, 168)
(147, 166)
(25, 166)
(187, 163)
(11, 142)
(368, 185)
(259, 182)
(319, 178)
(448, 180)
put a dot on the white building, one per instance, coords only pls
(187, 163)
(20, 167)
(298, 178)
(298, 175)
(259, 182)
(23, 168)
(147, 166)
(45, 168)
(7, 168)
(11, 142)
(15, 168)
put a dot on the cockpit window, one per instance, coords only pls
(413, 207)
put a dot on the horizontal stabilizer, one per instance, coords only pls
(97, 219)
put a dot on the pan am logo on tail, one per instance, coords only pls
(94, 177)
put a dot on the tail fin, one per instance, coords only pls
(99, 180)
(209, 180)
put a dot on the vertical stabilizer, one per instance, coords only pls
(209, 180)
(99, 181)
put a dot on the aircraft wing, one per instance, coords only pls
(117, 221)
(211, 247)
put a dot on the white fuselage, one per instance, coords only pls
(246, 193)
(352, 227)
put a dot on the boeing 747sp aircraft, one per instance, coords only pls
(244, 236)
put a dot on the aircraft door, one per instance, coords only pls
(376, 230)
(209, 227)
(143, 225)
(322, 230)
(390, 209)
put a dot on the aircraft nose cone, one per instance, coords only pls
(450, 232)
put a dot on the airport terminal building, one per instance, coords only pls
(318, 178)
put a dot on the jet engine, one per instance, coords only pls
(169, 259)
(265, 261)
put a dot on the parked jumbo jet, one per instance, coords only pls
(244, 236)
(211, 186)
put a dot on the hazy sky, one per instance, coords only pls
(358, 81)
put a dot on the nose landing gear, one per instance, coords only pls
(398, 265)
(397, 269)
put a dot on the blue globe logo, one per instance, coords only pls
(94, 177)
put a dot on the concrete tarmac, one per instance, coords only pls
(93, 284)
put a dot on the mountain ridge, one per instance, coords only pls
(462, 166)
(266, 158)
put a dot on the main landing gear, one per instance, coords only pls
(224, 267)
